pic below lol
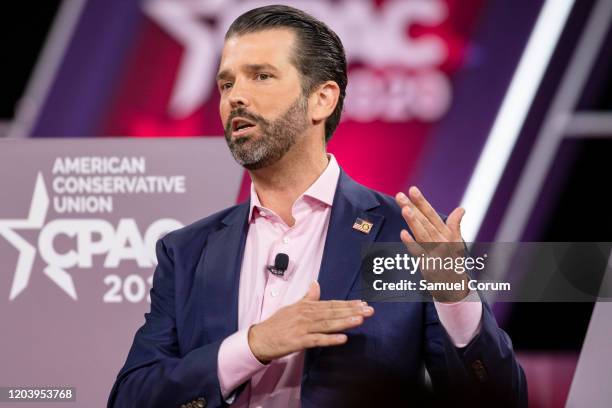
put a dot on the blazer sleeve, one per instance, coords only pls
(483, 373)
(155, 373)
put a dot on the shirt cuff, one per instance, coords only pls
(461, 320)
(236, 362)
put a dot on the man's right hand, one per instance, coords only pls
(307, 323)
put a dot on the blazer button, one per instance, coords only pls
(201, 402)
(479, 370)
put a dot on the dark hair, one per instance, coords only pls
(319, 54)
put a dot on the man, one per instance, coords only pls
(226, 327)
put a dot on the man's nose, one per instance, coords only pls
(238, 97)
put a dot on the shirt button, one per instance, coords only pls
(274, 293)
(285, 240)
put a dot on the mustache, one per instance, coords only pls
(243, 113)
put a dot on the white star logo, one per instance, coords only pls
(27, 252)
(374, 36)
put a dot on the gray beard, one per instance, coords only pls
(277, 136)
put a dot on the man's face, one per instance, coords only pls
(262, 106)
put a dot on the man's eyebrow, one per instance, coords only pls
(226, 73)
(260, 67)
(223, 74)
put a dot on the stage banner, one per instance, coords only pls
(78, 225)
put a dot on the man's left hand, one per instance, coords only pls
(434, 238)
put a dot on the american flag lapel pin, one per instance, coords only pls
(363, 226)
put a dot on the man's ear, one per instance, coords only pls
(323, 101)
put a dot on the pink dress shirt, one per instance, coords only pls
(261, 294)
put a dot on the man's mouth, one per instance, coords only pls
(241, 126)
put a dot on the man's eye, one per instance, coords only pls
(225, 86)
(262, 77)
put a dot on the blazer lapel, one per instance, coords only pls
(221, 274)
(343, 246)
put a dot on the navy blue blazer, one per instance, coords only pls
(194, 307)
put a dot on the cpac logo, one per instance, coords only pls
(92, 237)
(373, 36)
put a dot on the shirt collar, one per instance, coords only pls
(322, 190)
